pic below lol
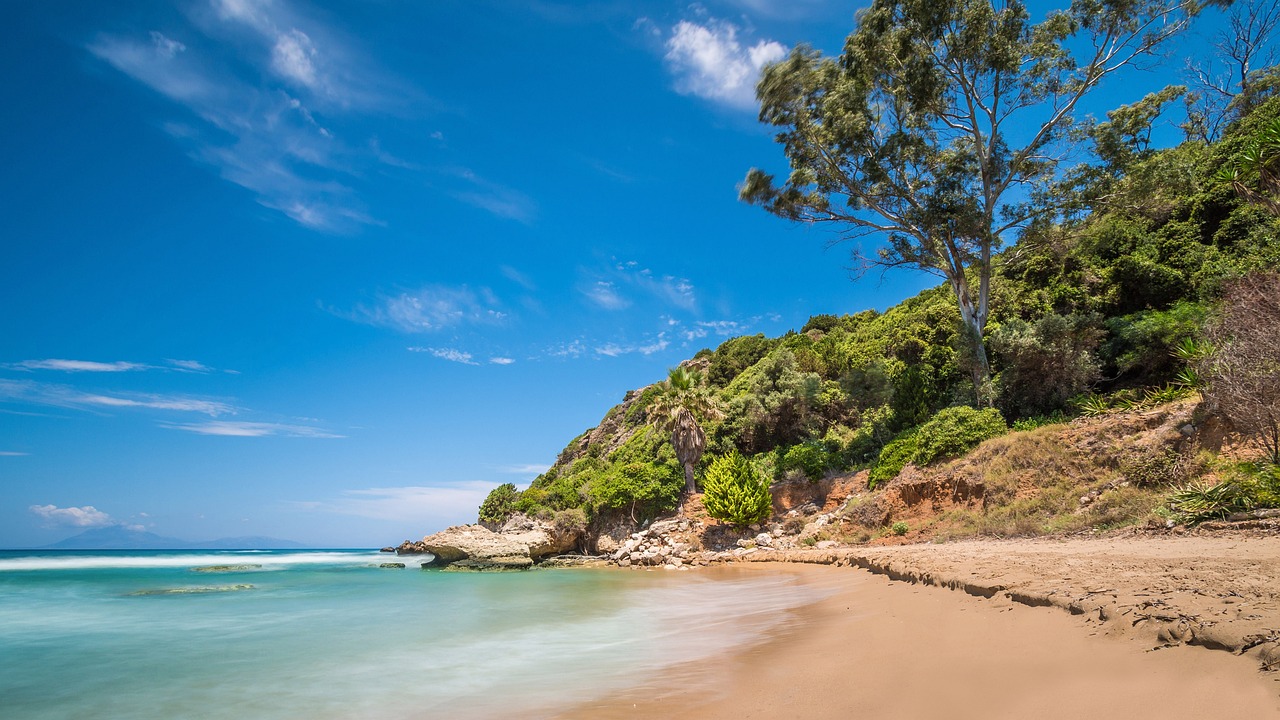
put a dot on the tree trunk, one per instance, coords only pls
(973, 323)
(689, 441)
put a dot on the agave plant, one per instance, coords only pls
(1201, 501)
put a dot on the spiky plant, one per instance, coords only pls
(734, 491)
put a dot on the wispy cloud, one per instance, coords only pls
(501, 361)
(524, 469)
(256, 75)
(450, 354)
(625, 280)
(79, 365)
(87, 516)
(37, 393)
(432, 308)
(228, 428)
(710, 61)
(194, 366)
(603, 293)
(449, 501)
(94, 366)
(494, 197)
(11, 453)
(616, 350)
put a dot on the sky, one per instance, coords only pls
(331, 271)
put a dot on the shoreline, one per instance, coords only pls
(891, 640)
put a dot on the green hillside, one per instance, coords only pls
(1104, 307)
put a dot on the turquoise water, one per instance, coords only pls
(327, 634)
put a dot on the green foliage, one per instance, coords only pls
(499, 505)
(950, 433)
(642, 489)
(1143, 344)
(735, 355)
(956, 430)
(735, 492)
(893, 457)
(899, 528)
(1199, 502)
(1045, 363)
(811, 458)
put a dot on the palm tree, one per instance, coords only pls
(676, 409)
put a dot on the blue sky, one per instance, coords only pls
(331, 271)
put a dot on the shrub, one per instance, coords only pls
(893, 457)
(499, 505)
(735, 492)
(1154, 466)
(642, 489)
(950, 433)
(1198, 502)
(810, 458)
(899, 528)
(1045, 363)
(1243, 372)
(956, 430)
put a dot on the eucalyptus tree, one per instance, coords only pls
(941, 127)
(682, 398)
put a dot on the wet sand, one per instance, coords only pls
(878, 648)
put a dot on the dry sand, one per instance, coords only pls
(879, 648)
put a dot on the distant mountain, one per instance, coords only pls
(118, 537)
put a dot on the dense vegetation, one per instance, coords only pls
(1101, 301)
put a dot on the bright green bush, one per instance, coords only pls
(956, 430)
(950, 433)
(810, 458)
(500, 504)
(893, 457)
(642, 489)
(735, 492)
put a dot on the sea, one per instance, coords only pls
(265, 634)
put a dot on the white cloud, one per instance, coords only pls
(226, 428)
(614, 349)
(604, 293)
(409, 504)
(25, 391)
(259, 129)
(450, 354)
(501, 360)
(79, 365)
(11, 453)
(709, 61)
(194, 366)
(608, 292)
(723, 327)
(493, 197)
(85, 517)
(526, 469)
(158, 402)
(431, 308)
(292, 55)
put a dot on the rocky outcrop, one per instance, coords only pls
(542, 538)
(520, 542)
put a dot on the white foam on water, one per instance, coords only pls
(266, 560)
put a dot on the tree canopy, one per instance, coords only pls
(936, 111)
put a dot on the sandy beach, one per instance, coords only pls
(1126, 627)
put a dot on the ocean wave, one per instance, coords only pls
(72, 561)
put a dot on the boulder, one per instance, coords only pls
(477, 547)
(541, 538)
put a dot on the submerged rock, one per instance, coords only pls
(196, 590)
(224, 568)
(391, 565)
